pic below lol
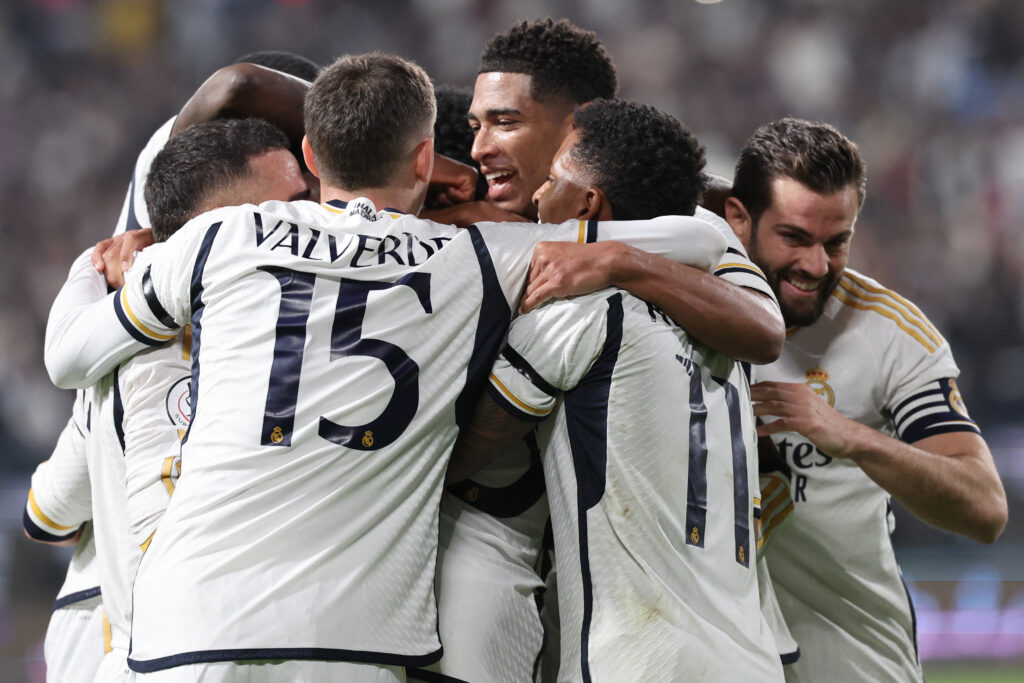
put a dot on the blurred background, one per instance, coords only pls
(931, 90)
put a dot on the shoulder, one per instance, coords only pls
(882, 311)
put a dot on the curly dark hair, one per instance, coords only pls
(563, 60)
(200, 161)
(288, 62)
(646, 162)
(812, 153)
(452, 135)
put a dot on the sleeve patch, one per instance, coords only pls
(938, 408)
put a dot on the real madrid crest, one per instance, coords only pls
(817, 379)
(956, 401)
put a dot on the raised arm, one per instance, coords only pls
(244, 90)
(90, 332)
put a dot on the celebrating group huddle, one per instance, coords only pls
(323, 434)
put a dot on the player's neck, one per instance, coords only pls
(382, 198)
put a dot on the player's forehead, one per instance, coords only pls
(824, 215)
(503, 91)
(564, 164)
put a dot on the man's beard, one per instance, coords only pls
(805, 315)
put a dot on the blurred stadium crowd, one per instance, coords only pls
(933, 92)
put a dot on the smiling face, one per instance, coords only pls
(515, 137)
(802, 243)
(563, 195)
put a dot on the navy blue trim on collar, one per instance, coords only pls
(341, 204)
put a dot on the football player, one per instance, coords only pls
(862, 405)
(334, 349)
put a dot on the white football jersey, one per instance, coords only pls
(492, 525)
(59, 504)
(735, 266)
(876, 359)
(651, 483)
(335, 348)
(134, 212)
(156, 412)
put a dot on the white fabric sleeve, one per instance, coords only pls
(735, 265)
(684, 239)
(83, 311)
(87, 338)
(549, 350)
(60, 499)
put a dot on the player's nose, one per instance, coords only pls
(814, 261)
(483, 145)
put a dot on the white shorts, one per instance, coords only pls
(275, 671)
(114, 667)
(488, 619)
(73, 647)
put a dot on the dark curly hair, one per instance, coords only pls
(452, 135)
(200, 161)
(812, 153)
(563, 60)
(288, 62)
(646, 162)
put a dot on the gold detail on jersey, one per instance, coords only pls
(107, 647)
(277, 436)
(472, 493)
(582, 239)
(145, 546)
(914, 313)
(42, 517)
(744, 266)
(186, 343)
(511, 397)
(170, 472)
(138, 323)
(367, 438)
(741, 554)
(181, 434)
(891, 305)
(956, 401)
(695, 535)
(817, 380)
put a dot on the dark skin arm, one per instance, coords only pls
(246, 90)
(735, 321)
(468, 213)
(491, 432)
(752, 330)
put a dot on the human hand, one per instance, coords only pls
(451, 182)
(561, 269)
(116, 254)
(799, 409)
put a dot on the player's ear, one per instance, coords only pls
(594, 204)
(307, 156)
(738, 218)
(423, 159)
